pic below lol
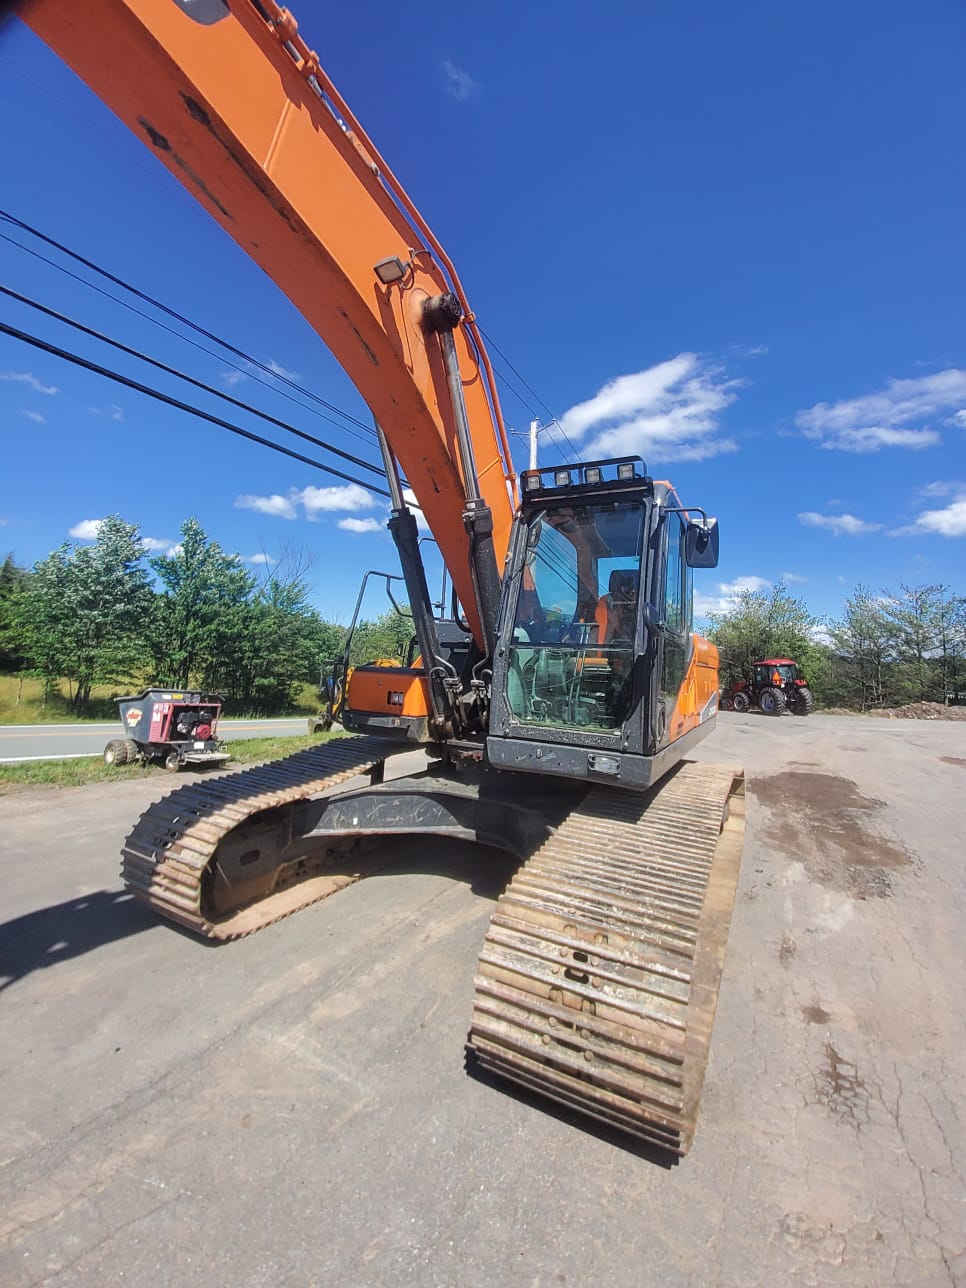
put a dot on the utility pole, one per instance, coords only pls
(534, 428)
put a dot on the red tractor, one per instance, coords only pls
(776, 685)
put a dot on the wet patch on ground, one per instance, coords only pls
(839, 1087)
(815, 1014)
(953, 760)
(823, 821)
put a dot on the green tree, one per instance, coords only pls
(863, 648)
(12, 580)
(271, 644)
(769, 623)
(84, 611)
(387, 636)
(202, 588)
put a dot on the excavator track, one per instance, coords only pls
(170, 861)
(598, 979)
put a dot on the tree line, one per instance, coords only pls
(106, 613)
(889, 648)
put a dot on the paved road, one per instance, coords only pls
(292, 1109)
(61, 742)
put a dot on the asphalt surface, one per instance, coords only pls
(62, 742)
(293, 1109)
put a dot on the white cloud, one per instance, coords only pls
(278, 506)
(323, 499)
(895, 416)
(25, 378)
(838, 523)
(943, 487)
(791, 577)
(277, 369)
(233, 378)
(361, 525)
(409, 496)
(112, 413)
(948, 522)
(313, 501)
(86, 530)
(158, 545)
(669, 412)
(258, 559)
(459, 83)
(960, 418)
(729, 595)
(37, 417)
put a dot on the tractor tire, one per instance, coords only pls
(115, 753)
(805, 703)
(740, 701)
(131, 752)
(772, 702)
(172, 762)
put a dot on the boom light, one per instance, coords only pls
(391, 270)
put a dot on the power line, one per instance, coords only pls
(493, 345)
(172, 313)
(246, 358)
(198, 384)
(554, 422)
(156, 394)
(187, 339)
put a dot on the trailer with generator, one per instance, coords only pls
(170, 728)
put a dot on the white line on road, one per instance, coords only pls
(22, 760)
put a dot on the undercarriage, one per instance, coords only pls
(598, 977)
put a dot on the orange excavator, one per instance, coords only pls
(558, 699)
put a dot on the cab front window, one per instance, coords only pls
(572, 646)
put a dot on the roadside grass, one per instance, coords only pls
(83, 770)
(22, 702)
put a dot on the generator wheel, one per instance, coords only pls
(131, 752)
(115, 753)
(739, 701)
(805, 703)
(772, 702)
(172, 762)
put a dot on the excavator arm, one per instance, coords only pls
(231, 100)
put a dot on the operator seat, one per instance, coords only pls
(615, 610)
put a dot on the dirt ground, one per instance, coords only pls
(293, 1109)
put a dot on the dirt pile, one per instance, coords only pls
(921, 711)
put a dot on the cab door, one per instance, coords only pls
(676, 633)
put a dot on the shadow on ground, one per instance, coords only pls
(66, 930)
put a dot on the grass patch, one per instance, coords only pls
(22, 702)
(91, 769)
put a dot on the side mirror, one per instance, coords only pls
(701, 544)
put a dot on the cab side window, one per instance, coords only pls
(676, 607)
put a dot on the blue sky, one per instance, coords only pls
(729, 237)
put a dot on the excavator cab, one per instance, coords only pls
(597, 674)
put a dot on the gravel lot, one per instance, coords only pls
(292, 1109)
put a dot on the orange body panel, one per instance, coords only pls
(388, 691)
(230, 110)
(697, 699)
